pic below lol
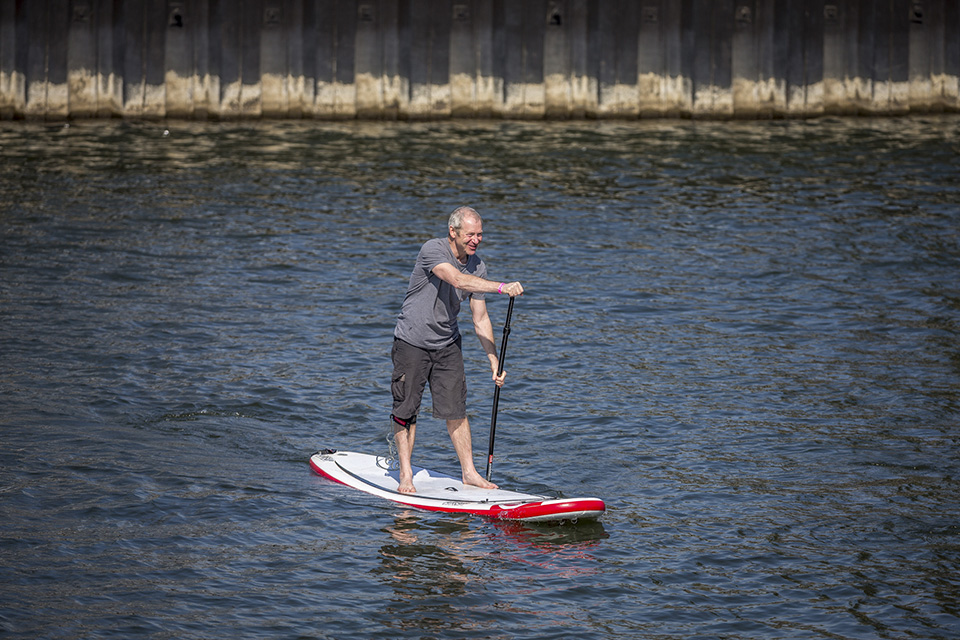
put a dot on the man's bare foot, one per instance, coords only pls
(476, 480)
(406, 485)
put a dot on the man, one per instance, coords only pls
(427, 342)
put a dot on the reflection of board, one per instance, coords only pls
(438, 492)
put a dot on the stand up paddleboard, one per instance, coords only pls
(437, 492)
(380, 476)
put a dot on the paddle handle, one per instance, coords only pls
(496, 392)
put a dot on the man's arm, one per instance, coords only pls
(472, 284)
(484, 330)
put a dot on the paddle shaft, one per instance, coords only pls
(496, 392)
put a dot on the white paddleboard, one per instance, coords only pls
(379, 476)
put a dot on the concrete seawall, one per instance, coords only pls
(430, 59)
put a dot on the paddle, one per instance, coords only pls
(496, 392)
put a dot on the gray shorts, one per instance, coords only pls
(413, 367)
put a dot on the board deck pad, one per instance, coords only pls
(379, 476)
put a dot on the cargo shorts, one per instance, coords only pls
(414, 367)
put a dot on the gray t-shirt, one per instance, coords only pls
(428, 318)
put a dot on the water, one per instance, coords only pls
(742, 336)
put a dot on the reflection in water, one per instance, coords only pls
(428, 568)
(435, 567)
(550, 536)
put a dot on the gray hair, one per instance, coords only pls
(456, 218)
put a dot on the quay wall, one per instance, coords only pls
(434, 59)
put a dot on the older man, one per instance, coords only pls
(427, 341)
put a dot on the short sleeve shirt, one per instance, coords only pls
(428, 317)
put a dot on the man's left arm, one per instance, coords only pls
(484, 329)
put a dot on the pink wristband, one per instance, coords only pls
(500, 288)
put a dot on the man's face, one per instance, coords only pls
(468, 238)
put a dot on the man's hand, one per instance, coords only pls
(512, 289)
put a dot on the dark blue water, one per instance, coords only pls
(744, 337)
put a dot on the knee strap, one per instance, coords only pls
(404, 423)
